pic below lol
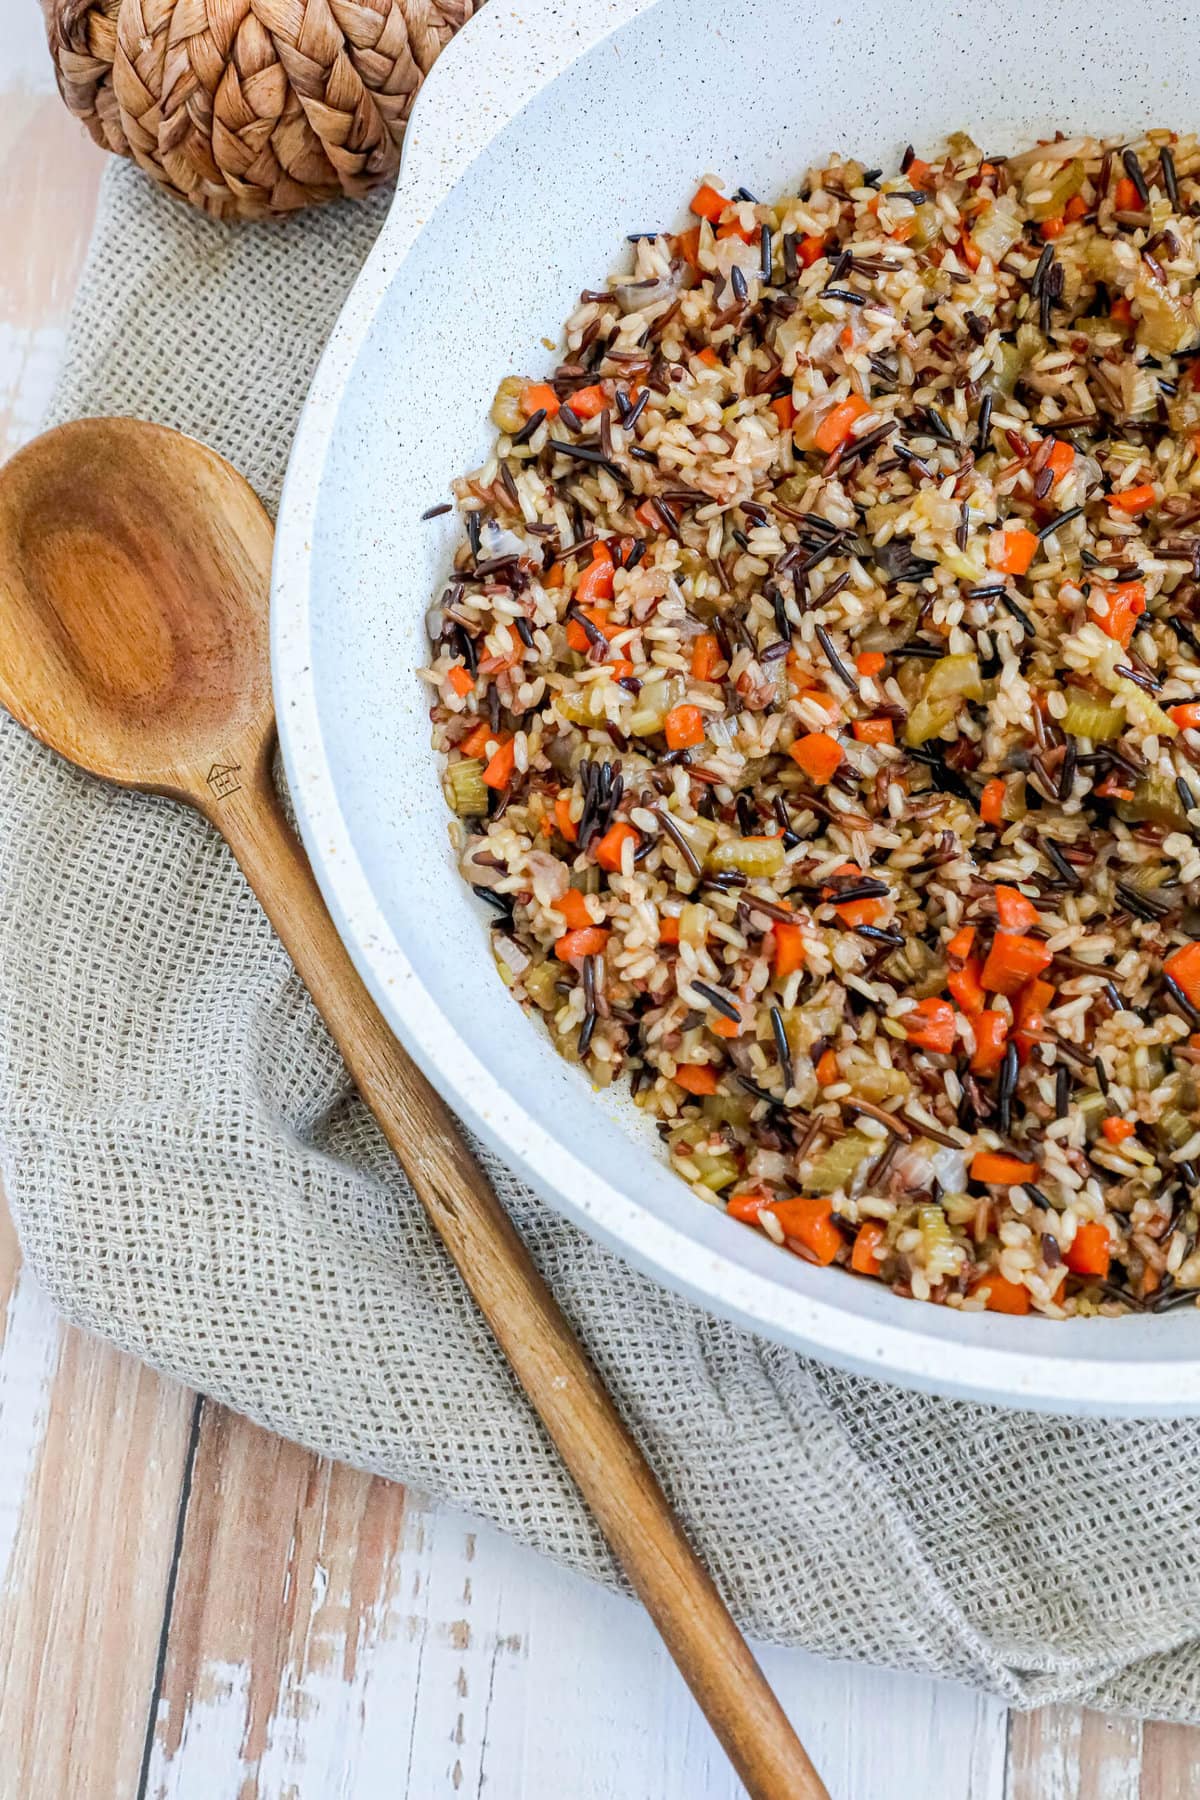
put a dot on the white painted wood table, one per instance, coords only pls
(194, 1610)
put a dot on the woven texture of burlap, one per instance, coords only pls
(192, 1178)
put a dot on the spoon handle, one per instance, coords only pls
(546, 1357)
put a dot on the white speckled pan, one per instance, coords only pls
(546, 132)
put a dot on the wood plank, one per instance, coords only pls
(1067, 1753)
(1170, 1762)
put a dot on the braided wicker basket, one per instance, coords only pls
(250, 108)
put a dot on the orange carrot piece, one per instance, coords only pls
(970, 251)
(590, 941)
(819, 755)
(994, 1169)
(809, 1223)
(991, 803)
(874, 731)
(1001, 1296)
(785, 411)
(706, 656)
(818, 697)
(709, 357)
(837, 425)
(1121, 311)
(706, 203)
(609, 847)
(1183, 966)
(476, 739)
(1016, 912)
(991, 1040)
(555, 576)
(734, 228)
(1031, 1005)
(827, 1068)
(1012, 961)
(870, 662)
(1091, 1251)
(1126, 197)
(1011, 552)
(697, 1078)
(1061, 459)
(967, 987)
(1076, 208)
(683, 727)
(1117, 1130)
(499, 771)
(596, 581)
(725, 1028)
(577, 637)
(930, 1026)
(919, 174)
(959, 947)
(1133, 500)
(587, 402)
(688, 246)
(563, 819)
(746, 1207)
(788, 954)
(1123, 607)
(573, 908)
(463, 684)
(855, 912)
(810, 250)
(863, 1259)
(1053, 228)
(539, 396)
(668, 929)
(1187, 716)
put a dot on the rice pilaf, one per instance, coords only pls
(819, 680)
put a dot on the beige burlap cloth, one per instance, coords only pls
(192, 1178)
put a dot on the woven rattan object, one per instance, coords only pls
(250, 108)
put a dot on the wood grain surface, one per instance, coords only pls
(193, 1610)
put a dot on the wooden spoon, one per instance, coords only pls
(134, 581)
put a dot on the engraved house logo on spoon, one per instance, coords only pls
(223, 779)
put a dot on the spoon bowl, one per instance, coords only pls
(134, 570)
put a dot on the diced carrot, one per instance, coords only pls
(970, 251)
(706, 203)
(991, 803)
(709, 357)
(573, 908)
(563, 819)
(1001, 1296)
(854, 912)
(1032, 1001)
(1076, 208)
(967, 987)
(818, 697)
(1112, 788)
(1061, 459)
(810, 1223)
(683, 727)
(668, 928)
(874, 731)
(1126, 197)
(706, 656)
(498, 773)
(577, 637)
(863, 1259)
(697, 1078)
(555, 576)
(1090, 1252)
(734, 228)
(1011, 552)
(837, 424)
(827, 1068)
(1117, 1130)
(846, 336)
(588, 402)
(620, 668)
(991, 1040)
(1187, 717)
(818, 754)
(539, 396)
(788, 954)
(785, 411)
(1183, 966)
(959, 947)
(1121, 609)
(810, 250)
(596, 581)
(1133, 500)
(746, 1207)
(609, 847)
(1015, 911)
(494, 665)
(870, 662)
(1053, 228)
(1012, 961)
(463, 684)
(901, 233)
(725, 1028)
(995, 1169)
(1121, 311)
(930, 1026)
(918, 174)
(688, 246)
(476, 739)
(590, 941)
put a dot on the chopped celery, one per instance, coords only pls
(1062, 187)
(541, 984)
(754, 856)
(1155, 802)
(835, 1167)
(465, 789)
(1091, 718)
(951, 680)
